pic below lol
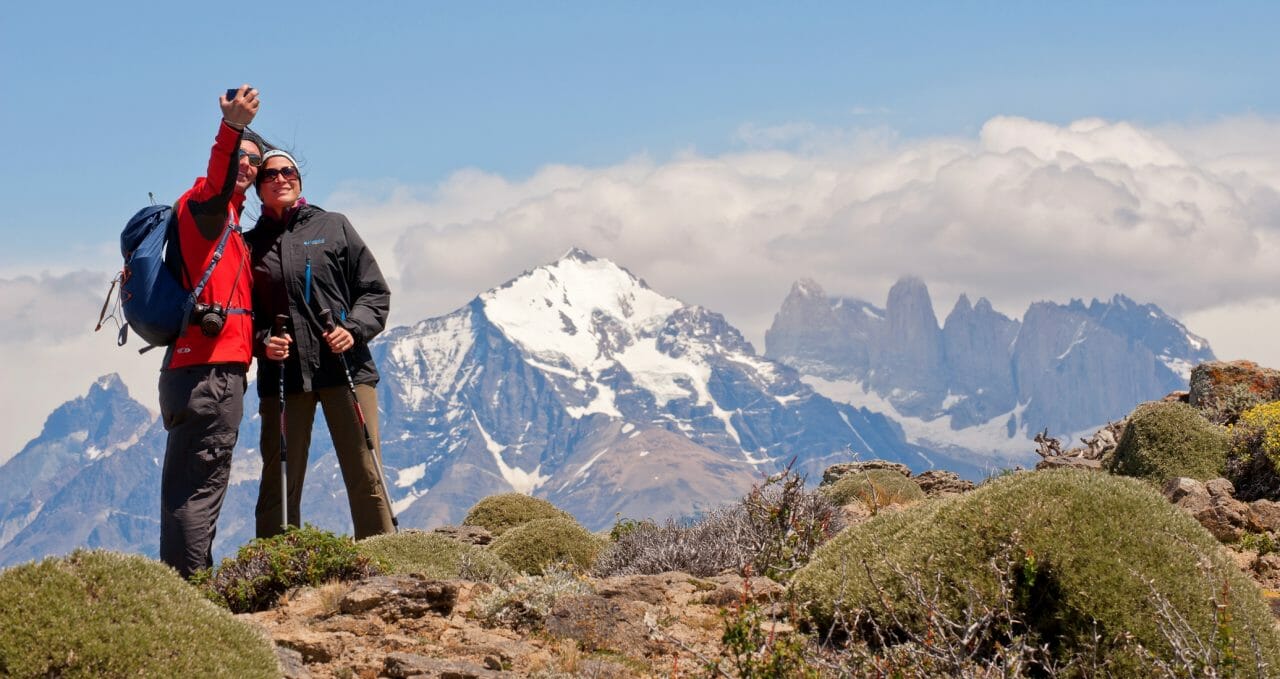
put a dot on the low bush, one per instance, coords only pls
(265, 568)
(875, 488)
(434, 556)
(1253, 463)
(771, 532)
(103, 614)
(1099, 563)
(500, 513)
(532, 547)
(1167, 440)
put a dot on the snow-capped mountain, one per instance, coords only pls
(984, 382)
(574, 375)
(46, 498)
(575, 382)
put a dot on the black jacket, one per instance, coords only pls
(314, 260)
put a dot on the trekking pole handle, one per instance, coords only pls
(326, 320)
(279, 328)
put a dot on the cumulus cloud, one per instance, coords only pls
(1186, 217)
(54, 355)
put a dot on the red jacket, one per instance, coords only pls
(202, 213)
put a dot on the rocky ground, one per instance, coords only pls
(667, 625)
(647, 625)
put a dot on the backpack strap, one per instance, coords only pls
(217, 257)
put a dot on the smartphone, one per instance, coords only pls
(231, 93)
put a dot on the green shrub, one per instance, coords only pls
(103, 614)
(500, 513)
(532, 547)
(434, 556)
(1167, 440)
(267, 567)
(1090, 554)
(1253, 463)
(624, 527)
(876, 488)
(1262, 543)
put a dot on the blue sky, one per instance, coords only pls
(720, 150)
(105, 103)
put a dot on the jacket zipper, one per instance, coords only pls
(306, 291)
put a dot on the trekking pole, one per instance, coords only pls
(279, 331)
(326, 319)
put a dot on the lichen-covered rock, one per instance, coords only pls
(1223, 390)
(937, 482)
(394, 597)
(838, 471)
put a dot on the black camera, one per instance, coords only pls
(210, 318)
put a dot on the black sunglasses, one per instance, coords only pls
(254, 159)
(289, 172)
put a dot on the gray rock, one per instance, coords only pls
(1264, 515)
(1188, 494)
(403, 665)
(1069, 462)
(1220, 488)
(291, 663)
(471, 535)
(597, 623)
(396, 597)
(838, 471)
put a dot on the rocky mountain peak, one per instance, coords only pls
(575, 306)
(110, 382)
(806, 287)
(577, 254)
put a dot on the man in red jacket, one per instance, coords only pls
(203, 379)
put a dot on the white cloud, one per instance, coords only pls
(1185, 216)
(54, 355)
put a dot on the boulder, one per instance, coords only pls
(1069, 462)
(470, 535)
(1211, 504)
(600, 624)
(838, 471)
(1264, 515)
(400, 665)
(1188, 494)
(398, 596)
(1222, 390)
(937, 482)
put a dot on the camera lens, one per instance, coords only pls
(211, 324)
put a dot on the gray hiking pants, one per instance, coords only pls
(201, 407)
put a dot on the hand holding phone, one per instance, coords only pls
(239, 109)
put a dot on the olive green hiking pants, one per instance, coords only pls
(361, 467)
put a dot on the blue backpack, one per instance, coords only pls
(155, 302)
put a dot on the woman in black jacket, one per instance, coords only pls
(305, 261)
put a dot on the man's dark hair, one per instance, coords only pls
(251, 136)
